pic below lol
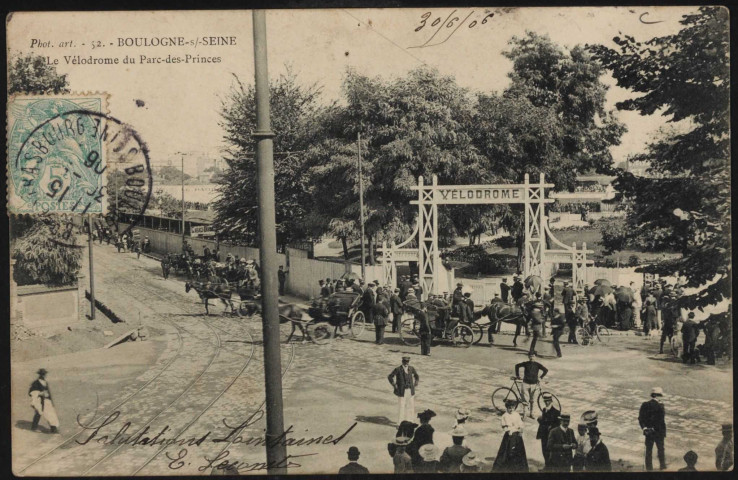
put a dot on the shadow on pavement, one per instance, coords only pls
(26, 425)
(376, 420)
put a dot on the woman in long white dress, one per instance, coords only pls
(511, 456)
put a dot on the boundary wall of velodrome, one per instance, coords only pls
(304, 273)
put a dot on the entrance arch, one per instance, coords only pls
(531, 195)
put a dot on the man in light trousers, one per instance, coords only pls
(404, 379)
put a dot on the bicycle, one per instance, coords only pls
(515, 392)
(587, 334)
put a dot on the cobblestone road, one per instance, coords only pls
(210, 377)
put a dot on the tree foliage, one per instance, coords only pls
(31, 74)
(551, 119)
(686, 205)
(295, 114)
(46, 253)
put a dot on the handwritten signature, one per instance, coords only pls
(233, 436)
(448, 27)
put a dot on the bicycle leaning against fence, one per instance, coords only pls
(515, 392)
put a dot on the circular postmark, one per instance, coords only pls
(84, 162)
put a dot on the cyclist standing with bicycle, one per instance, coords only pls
(531, 369)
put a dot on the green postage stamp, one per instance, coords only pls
(56, 153)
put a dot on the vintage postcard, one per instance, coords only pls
(370, 241)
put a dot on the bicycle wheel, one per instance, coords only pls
(357, 324)
(603, 334)
(554, 401)
(501, 395)
(462, 336)
(582, 336)
(409, 332)
(320, 332)
(478, 332)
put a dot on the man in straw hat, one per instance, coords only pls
(430, 455)
(561, 445)
(470, 463)
(41, 402)
(353, 467)
(548, 420)
(724, 450)
(401, 459)
(652, 419)
(404, 379)
(452, 456)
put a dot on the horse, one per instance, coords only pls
(502, 312)
(214, 288)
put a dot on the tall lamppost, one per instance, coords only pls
(276, 450)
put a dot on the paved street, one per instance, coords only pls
(204, 376)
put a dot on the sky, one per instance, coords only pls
(179, 104)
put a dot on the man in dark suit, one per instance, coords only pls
(368, 299)
(548, 420)
(652, 421)
(325, 291)
(557, 328)
(568, 298)
(380, 313)
(353, 467)
(457, 298)
(404, 287)
(561, 445)
(396, 310)
(690, 330)
(517, 289)
(404, 379)
(505, 291)
(598, 457)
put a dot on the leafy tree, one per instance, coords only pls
(685, 204)
(295, 115)
(42, 246)
(46, 253)
(169, 206)
(30, 74)
(172, 175)
(121, 197)
(412, 126)
(551, 119)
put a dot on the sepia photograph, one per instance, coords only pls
(359, 241)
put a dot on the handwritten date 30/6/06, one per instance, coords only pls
(441, 30)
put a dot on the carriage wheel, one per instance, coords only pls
(462, 336)
(478, 332)
(603, 334)
(246, 309)
(320, 332)
(582, 336)
(357, 324)
(554, 401)
(500, 396)
(409, 332)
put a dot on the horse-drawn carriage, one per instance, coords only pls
(330, 316)
(443, 324)
(215, 287)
